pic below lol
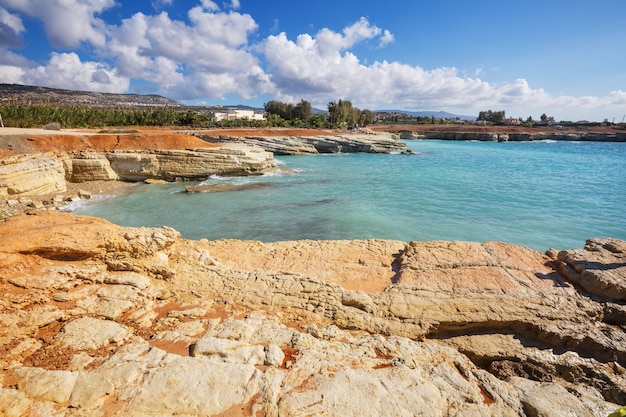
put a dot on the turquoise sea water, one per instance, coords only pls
(537, 194)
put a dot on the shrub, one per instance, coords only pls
(52, 126)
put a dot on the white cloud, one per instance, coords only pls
(12, 21)
(207, 57)
(209, 5)
(318, 68)
(157, 4)
(11, 74)
(330, 42)
(67, 23)
(387, 38)
(69, 72)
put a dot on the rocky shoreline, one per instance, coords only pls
(103, 320)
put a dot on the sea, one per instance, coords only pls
(540, 194)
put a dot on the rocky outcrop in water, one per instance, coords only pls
(301, 145)
(516, 136)
(102, 320)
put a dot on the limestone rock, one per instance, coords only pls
(88, 333)
(193, 386)
(89, 327)
(299, 145)
(41, 384)
(547, 400)
(31, 174)
(89, 166)
(225, 350)
(599, 268)
(191, 164)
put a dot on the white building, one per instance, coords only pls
(238, 114)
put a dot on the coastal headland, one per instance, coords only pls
(98, 319)
(505, 133)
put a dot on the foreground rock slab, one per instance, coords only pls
(97, 319)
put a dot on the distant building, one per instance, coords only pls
(511, 121)
(238, 114)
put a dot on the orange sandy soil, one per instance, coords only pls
(268, 132)
(46, 142)
(13, 141)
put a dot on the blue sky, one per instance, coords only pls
(563, 58)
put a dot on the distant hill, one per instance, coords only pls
(57, 96)
(435, 114)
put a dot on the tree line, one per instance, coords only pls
(38, 115)
(340, 114)
(279, 114)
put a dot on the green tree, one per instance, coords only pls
(496, 117)
(284, 110)
(342, 113)
(303, 110)
(366, 117)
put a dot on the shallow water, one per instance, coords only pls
(537, 194)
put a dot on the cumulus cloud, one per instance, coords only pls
(321, 68)
(67, 23)
(330, 42)
(208, 56)
(69, 72)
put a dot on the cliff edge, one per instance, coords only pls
(36, 164)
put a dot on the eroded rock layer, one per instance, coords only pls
(380, 142)
(102, 320)
(76, 159)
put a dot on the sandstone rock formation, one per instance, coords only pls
(102, 320)
(126, 158)
(39, 173)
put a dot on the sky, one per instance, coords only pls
(562, 58)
